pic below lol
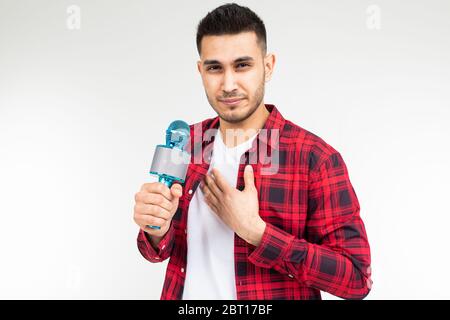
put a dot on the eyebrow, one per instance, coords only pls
(241, 59)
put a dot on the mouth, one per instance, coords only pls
(231, 102)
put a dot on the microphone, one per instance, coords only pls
(170, 161)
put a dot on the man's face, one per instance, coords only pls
(234, 72)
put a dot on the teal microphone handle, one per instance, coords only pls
(170, 161)
(168, 181)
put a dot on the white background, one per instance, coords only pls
(81, 112)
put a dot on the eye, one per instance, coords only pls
(212, 68)
(243, 64)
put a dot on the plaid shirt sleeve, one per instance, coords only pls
(163, 249)
(334, 256)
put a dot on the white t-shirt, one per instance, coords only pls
(210, 242)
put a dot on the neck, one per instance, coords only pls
(236, 133)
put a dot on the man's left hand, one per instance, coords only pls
(237, 209)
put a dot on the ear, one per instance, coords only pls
(269, 64)
(199, 66)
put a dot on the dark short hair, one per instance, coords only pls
(230, 19)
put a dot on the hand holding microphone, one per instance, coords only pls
(157, 202)
(156, 205)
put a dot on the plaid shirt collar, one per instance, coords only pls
(204, 133)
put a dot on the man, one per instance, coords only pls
(286, 228)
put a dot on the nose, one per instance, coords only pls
(229, 81)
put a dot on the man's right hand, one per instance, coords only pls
(155, 205)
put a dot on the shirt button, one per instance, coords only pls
(182, 269)
(156, 258)
(290, 276)
(163, 247)
(190, 191)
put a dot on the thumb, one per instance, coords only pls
(176, 190)
(249, 178)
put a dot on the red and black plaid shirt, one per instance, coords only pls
(314, 239)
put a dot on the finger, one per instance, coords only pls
(249, 178)
(155, 199)
(152, 210)
(153, 221)
(157, 187)
(220, 181)
(213, 208)
(211, 205)
(209, 196)
(213, 186)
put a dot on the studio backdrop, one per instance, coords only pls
(88, 88)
